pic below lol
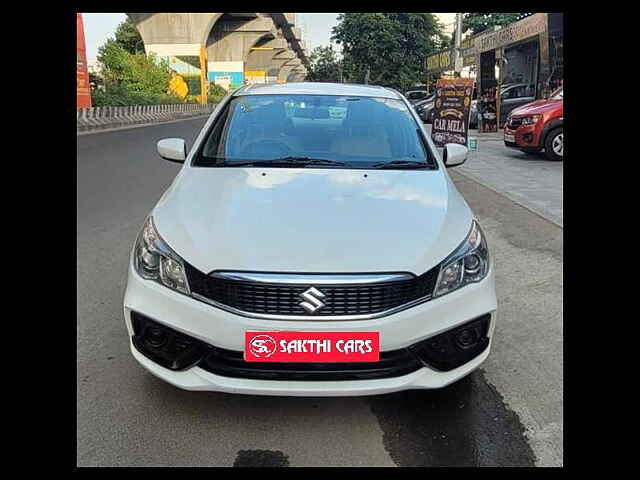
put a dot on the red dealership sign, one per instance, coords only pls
(312, 346)
(82, 71)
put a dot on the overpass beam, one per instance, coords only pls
(230, 44)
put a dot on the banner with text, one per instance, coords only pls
(451, 111)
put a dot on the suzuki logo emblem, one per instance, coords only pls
(313, 302)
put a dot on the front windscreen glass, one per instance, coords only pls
(557, 95)
(319, 130)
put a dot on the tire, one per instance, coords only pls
(553, 145)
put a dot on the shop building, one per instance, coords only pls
(527, 52)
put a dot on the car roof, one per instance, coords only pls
(317, 88)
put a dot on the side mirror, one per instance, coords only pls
(454, 154)
(173, 149)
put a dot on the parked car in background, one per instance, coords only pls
(537, 126)
(513, 96)
(415, 96)
(424, 107)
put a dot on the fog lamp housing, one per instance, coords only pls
(455, 347)
(165, 346)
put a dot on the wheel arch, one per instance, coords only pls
(550, 126)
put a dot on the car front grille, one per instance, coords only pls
(258, 297)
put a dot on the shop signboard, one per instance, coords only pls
(468, 50)
(257, 76)
(468, 60)
(439, 62)
(451, 111)
(520, 30)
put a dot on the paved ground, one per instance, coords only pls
(508, 413)
(529, 179)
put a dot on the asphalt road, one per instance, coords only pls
(507, 413)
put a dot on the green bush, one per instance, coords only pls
(132, 79)
(122, 96)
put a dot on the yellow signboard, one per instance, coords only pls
(257, 76)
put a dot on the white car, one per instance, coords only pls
(301, 253)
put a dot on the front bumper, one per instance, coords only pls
(226, 331)
(526, 137)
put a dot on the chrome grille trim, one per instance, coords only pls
(313, 278)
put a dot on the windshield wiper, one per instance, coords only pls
(282, 162)
(307, 161)
(402, 164)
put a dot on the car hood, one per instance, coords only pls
(539, 106)
(312, 220)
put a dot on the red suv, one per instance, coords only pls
(536, 126)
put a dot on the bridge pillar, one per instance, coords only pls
(179, 38)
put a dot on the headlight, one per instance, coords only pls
(154, 260)
(468, 263)
(531, 120)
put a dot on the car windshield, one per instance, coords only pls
(326, 131)
(557, 95)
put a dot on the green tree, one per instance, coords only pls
(128, 37)
(387, 48)
(139, 73)
(479, 22)
(324, 65)
(132, 79)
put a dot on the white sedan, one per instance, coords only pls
(314, 244)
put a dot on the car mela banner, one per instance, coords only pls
(451, 111)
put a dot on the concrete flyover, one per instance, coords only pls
(228, 49)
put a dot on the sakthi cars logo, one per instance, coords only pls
(312, 347)
(262, 346)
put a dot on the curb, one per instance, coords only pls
(108, 129)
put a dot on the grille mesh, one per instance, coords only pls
(284, 299)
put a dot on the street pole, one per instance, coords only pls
(500, 71)
(458, 61)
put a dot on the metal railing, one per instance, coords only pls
(105, 117)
